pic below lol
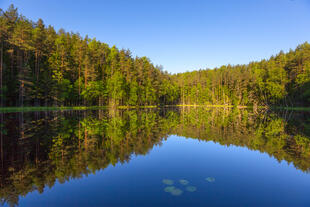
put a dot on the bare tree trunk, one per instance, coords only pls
(37, 74)
(80, 64)
(1, 71)
(21, 78)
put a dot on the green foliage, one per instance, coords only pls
(42, 67)
(282, 80)
(94, 90)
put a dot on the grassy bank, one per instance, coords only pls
(53, 108)
(42, 108)
(60, 108)
(213, 106)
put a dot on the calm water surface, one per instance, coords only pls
(166, 157)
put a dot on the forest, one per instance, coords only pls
(282, 80)
(43, 67)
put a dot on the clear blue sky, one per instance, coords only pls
(182, 35)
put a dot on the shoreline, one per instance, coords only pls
(60, 108)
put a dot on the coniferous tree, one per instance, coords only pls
(42, 67)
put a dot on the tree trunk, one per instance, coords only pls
(1, 71)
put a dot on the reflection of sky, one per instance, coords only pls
(243, 178)
(182, 34)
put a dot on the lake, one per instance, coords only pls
(155, 157)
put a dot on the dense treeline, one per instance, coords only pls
(42, 148)
(283, 79)
(42, 67)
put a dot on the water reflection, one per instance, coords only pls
(40, 148)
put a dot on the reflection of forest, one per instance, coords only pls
(39, 148)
